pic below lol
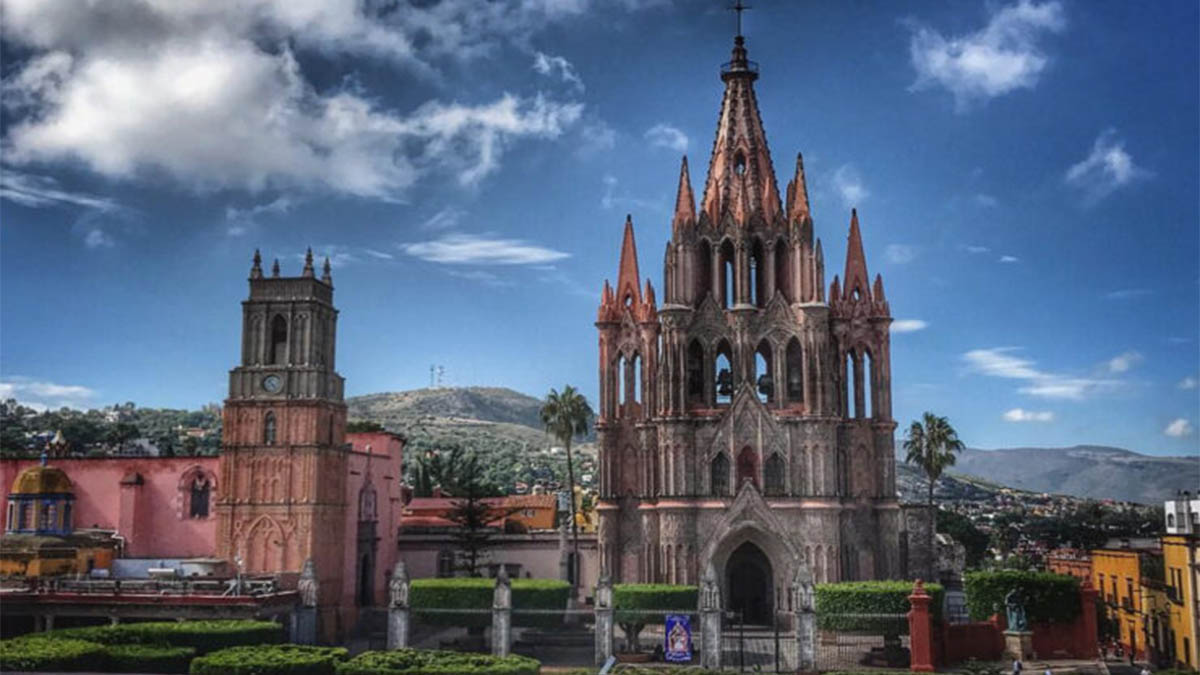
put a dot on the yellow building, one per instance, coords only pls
(1181, 558)
(1117, 574)
(40, 539)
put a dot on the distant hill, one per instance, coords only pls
(490, 404)
(1092, 471)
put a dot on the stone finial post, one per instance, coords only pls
(502, 614)
(304, 619)
(710, 619)
(398, 608)
(1090, 637)
(806, 619)
(604, 618)
(920, 629)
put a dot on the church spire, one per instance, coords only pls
(627, 280)
(308, 264)
(856, 278)
(740, 171)
(685, 199)
(797, 194)
(256, 268)
(327, 272)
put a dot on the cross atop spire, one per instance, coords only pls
(739, 8)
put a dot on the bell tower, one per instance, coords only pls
(283, 450)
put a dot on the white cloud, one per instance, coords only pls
(908, 325)
(1127, 293)
(1179, 428)
(1009, 259)
(610, 199)
(42, 191)
(549, 66)
(1188, 382)
(242, 220)
(98, 238)
(999, 58)
(899, 254)
(444, 219)
(1003, 363)
(43, 394)
(212, 95)
(458, 249)
(1121, 363)
(1020, 415)
(596, 137)
(849, 185)
(977, 249)
(986, 201)
(1107, 167)
(378, 254)
(484, 277)
(667, 136)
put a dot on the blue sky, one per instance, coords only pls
(1025, 173)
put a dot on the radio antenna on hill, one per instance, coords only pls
(436, 373)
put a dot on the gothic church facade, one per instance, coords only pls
(746, 422)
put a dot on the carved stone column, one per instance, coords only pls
(710, 619)
(604, 619)
(806, 620)
(502, 614)
(398, 608)
(304, 619)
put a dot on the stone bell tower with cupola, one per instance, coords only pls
(283, 449)
(728, 430)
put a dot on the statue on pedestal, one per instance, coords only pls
(1014, 606)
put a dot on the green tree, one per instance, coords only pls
(930, 444)
(566, 415)
(964, 532)
(473, 512)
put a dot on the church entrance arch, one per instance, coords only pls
(749, 578)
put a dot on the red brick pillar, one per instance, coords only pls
(1089, 635)
(920, 630)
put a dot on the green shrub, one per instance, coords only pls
(1049, 597)
(203, 636)
(40, 653)
(436, 662)
(270, 660)
(870, 606)
(148, 659)
(475, 593)
(640, 605)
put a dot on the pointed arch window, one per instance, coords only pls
(794, 358)
(201, 491)
(764, 371)
(279, 338)
(774, 475)
(747, 467)
(723, 374)
(269, 429)
(367, 498)
(783, 271)
(704, 265)
(728, 276)
(695, 372)
(758, 284)
(719, 475)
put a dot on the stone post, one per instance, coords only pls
(710, 619)
(604, 619)
(806, 620)
(920, 630)
(501, 614)
(398, 612)
(1090, 637)
(304, 619)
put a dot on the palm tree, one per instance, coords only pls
(931, 444)
(566, 416)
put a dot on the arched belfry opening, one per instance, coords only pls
(279, 336)
(704, 264)
(750, 578)
(695, 373)
(728, 275)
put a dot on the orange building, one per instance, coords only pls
(1117, 574)
(1070, 561)
(514, 513)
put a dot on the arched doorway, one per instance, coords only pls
(750, 581)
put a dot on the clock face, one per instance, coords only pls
(272, 383)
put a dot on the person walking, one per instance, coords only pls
(1017, 666)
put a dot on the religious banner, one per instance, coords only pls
(677, 638)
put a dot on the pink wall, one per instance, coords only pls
(153, 516)
(376, 457)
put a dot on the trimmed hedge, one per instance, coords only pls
(270, 660)
(437, 662)
(848, 606)
(476, 593)
(203, 636)
(148, 659)
(43, 653)
(1049, 597)
(640, 605)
